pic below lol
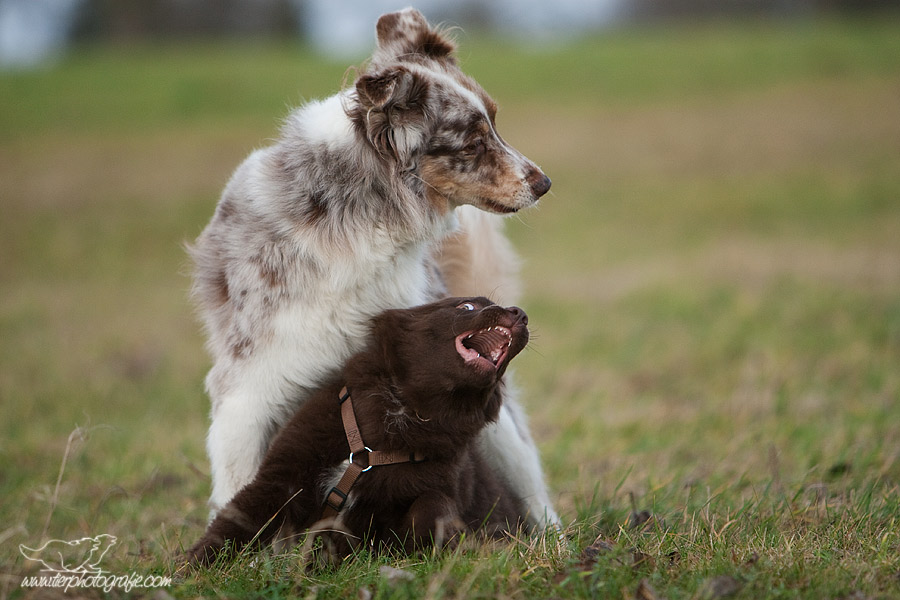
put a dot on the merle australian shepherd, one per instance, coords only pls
(429, 380)
(382, 196)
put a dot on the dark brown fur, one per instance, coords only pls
(412, 389)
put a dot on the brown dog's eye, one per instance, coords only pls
(466, 306)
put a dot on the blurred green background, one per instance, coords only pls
(713, 281)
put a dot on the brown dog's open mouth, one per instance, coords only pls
(488, 346)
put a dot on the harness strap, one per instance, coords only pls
(337, 496)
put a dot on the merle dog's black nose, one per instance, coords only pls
(518, 314)
(540, 183)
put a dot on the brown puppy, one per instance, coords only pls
(429, 380)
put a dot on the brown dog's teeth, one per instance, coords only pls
(489, 343)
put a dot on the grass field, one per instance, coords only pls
(713, 283)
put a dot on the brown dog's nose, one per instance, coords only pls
(540, 183)
(518, 314)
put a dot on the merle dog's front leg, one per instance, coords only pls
(241, 430)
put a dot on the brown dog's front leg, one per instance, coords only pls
(432, 519)
(254, 517)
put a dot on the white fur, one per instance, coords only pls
(510, 451)
(325, 121)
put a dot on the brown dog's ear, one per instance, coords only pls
(385, 330)
(393, 106)
(492, 408)
(405, 33)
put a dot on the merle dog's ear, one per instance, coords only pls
(393, 106)
(404, 34)
(395, 88)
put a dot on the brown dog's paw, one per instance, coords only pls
(202, 554)
(327, 544)
(448, 532)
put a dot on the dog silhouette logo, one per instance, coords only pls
(75, 556)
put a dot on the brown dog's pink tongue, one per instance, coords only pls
(486, 342)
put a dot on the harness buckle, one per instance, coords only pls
(334, 504)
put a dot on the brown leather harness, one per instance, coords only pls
(337, 496)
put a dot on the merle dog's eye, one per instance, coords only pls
(476, 147)
(466, 306)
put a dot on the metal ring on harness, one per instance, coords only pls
(368, 450)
